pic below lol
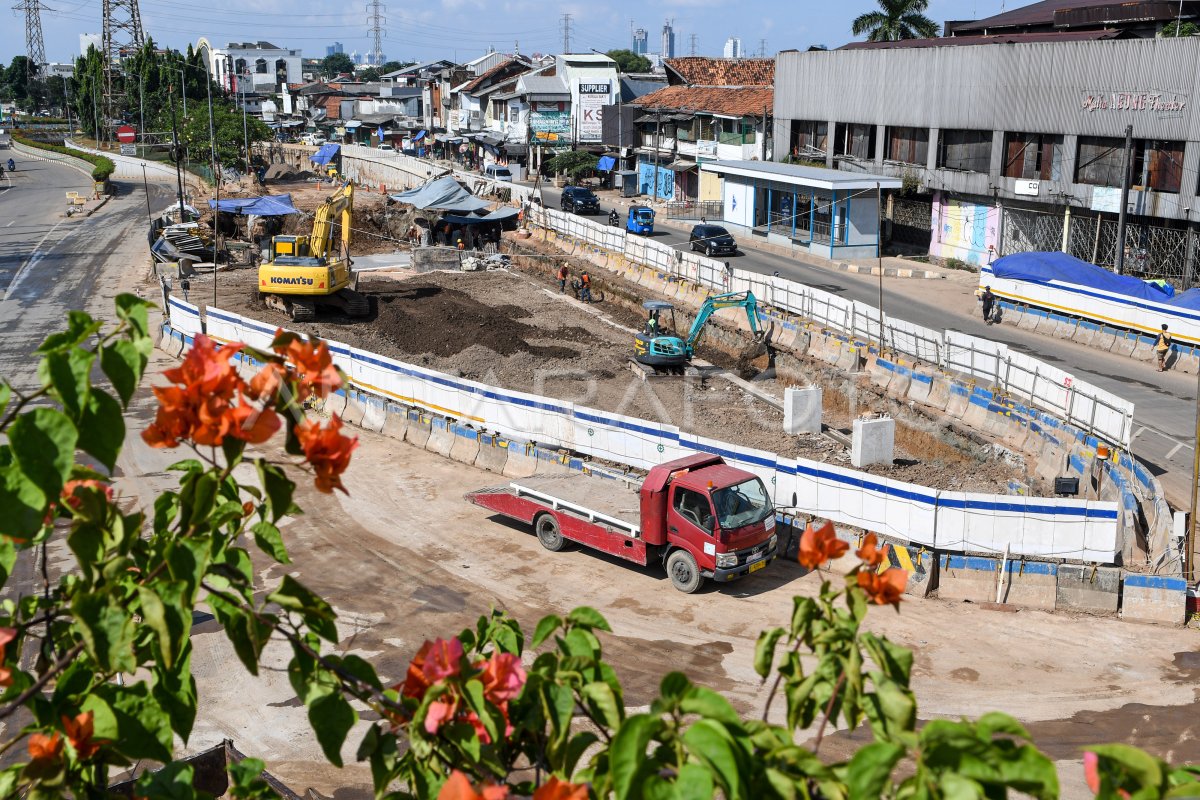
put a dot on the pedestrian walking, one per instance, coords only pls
(989, 302)
(563, 274)
(1162, 348)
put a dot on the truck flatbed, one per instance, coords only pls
(609, 502)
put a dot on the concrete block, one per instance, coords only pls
(1084, 333)
(550, 462)
(800, 342)
(1153, 598)
(441, 438)
(939, 392)
(959, 400)
(919, 387)
(1018, 432)
(1065, 328)
(976, 413)
(873, 441)
(1143, 349)
(1030, 584)
(374, 413)
(850, 358)
(522, 460)
(419, 427)
(1028, 320)
(967, 578)
(1124, 345)
(493, 453)
(901, 378)
(1184, 360)
(354, 410)
(919, 563)
(802, 409)
(395, 422)
(880, 371)
(336, 402)
(1088, 590)
(465, 447)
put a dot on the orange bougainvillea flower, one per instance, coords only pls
(440, 712)
(68, 491)
(314, 367)
(458, 787)
(554, 789)
(252, 424)
(885, 589)
(265, 384)
(870, 553)
(502, 678)
(434, 661)
(45, 749)
(327, 451)
(79, 732)
(6, 636)
(818, 545)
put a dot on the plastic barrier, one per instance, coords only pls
(185, 317)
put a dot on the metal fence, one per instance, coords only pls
(694, 210)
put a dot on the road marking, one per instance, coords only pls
(9, 225)
(34, 257)
(1170, 453)
(1137, 433)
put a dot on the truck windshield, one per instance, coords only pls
(743, 504)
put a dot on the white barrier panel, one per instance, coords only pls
(184, 316)
(758, 462)
(626, 440)
(1094, 409)
(1049, 386)
(1051, 528)
(221, 326)
(867, 322)
(979, 357)
(918, 341)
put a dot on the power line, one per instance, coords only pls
(692, 45)
(762, 48)
(376, 21)
(35, 46)
(122, 36)
(566, 33)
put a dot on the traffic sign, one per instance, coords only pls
(129, 149)
(126, 134)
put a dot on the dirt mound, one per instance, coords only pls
(420, 317)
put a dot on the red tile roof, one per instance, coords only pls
(704, 71)
(741, 101)
(493, 72)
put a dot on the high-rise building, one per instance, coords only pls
(641, 41)
(668, 40)
(733, 47)
(87, 40)
(336, 47)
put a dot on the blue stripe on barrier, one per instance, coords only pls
(922, 377)
(1027, 508)
(1156, 582)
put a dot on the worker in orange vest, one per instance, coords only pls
(563, 274)
(585, 287)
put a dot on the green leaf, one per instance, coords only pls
(587, 617)
(627, 754)
(175, 691)
(1138, 764)
(764, 651)
(359, 668)
(710, 743)
(693, 781)
(317, 614)
(896, 703)
(123, 364)
(473, 694)
(870, 769)
(5, 395)
(270, 541)
(709, 704)
(102, 428)
(279, 489)
(175, 781)
(69, 373)
(107, 630)
(165, 611)
(24, 504)
(332, 718)
(130, 718)
(545, 627)
(995, 722)
(80, 326)
(246, 632)
(132, 309)
(604, 702)
(43, 444)
(8, 558)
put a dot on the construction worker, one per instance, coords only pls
(1162, 348)
(652, 323)
(585, 287)
(563, 274)
(989, 302)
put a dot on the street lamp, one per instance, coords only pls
(183, 89)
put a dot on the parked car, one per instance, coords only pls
(313, 139)
(711, 240)
(386, 148)
(579, 200)
(498, 172)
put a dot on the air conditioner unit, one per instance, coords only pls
(474, 115)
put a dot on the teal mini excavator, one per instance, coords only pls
(657, 346)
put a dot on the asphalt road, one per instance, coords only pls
(1165, 404)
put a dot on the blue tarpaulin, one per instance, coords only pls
(1189, 299)
(420, 135)
(444, 194)
(272, 205)
(326, 153)
(606, 164)
(1045, 267)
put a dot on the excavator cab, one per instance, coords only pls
(306, 271)
(666, 352)
(656, 345)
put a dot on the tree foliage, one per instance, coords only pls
(629, 61)
(576, 163)
(1174, 28)
(895, 20)
(336, 64)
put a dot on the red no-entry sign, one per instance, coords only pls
(126, 134)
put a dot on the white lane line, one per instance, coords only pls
(9, 225)
(34, 257)
(1174, 450)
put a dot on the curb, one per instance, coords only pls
(890, 272)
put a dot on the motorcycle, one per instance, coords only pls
(12, 165)
(614, 219)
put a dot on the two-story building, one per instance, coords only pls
(712, 109)
(264, 66)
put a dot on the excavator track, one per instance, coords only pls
(302, 310)
(355, 304)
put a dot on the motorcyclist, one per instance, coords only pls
(614, 218)
(12, 165)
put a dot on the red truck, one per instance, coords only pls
(701, 517)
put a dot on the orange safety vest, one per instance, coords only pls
(587, 279)
(562, 273)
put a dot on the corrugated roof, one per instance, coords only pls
(704, 71)
(544, 84)
(715, 100)
(491, 73)
(1006, 38)
(1041, 13)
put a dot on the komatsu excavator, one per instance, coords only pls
(658, 346)
(305, 272)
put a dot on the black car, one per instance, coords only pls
(711, 240)
(579, 200)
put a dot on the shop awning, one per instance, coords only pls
(681, 166)
(326, 153)
(354, 123)
(272, 205)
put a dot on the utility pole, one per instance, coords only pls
(245, 127)
(1125, 179)
(35, 47)
(879, 254)
(762, 47)
(1189, 543)
(377, 30)
(692, 44)
(657, 144)
(566, 33)
(122, 35)
(176, 153)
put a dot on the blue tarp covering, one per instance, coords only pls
(1189, 299)
(444, 194)
(272, 205)
(499, 215)
(1044, 267)
(327, 152)
(420, 135)
(605, 164)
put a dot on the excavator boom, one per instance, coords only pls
(744, 300)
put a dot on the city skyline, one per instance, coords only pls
(311, 27)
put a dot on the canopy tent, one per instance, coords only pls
(271, 205)
(326, 153)
(606, 164)
(1046, 267)
(441, 194)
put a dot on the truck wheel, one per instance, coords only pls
(684, 573)
(548, 533)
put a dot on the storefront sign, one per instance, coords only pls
(1029, 188)
(1133, 101)
(592, 99)
(550, 125)
(706, 148)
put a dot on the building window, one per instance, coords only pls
(1157, 165)
(1033, 156)
(260, 66)
(970, 151)
(809, 138)
(908, 145)
(854, 141)
(708, 131)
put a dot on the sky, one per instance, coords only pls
(463, 29)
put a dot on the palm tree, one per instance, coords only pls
(896, 19)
